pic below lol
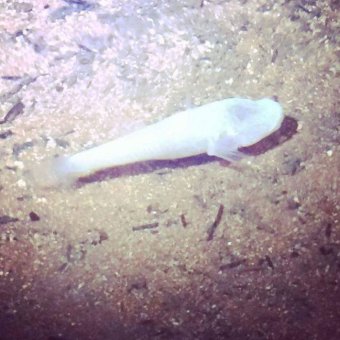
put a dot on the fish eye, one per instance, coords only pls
(243, 110)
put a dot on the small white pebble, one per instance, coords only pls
(296, 199)
(21, 183)
(19, 164)
(51, 144)
(329, 153)
(300, 125)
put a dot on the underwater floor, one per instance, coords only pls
(190, 249)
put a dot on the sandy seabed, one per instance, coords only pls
(190, 249)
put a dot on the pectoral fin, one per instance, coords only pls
(226, 148)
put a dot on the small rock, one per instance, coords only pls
(33, 216)
(329, 153)
(19, 165)
(293, 203)
(292, 165)
(23, 7)
(21, 183)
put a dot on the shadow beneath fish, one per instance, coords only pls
(286, 131)
(162, 167)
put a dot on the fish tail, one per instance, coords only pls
(55, 172)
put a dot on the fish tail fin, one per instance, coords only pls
(55, 172)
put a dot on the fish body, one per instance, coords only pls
(218, 129)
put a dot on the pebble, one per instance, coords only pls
(51, 144)
(19, 165)
(23, 7)
(21, 183)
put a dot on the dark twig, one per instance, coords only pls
(145, 226)
(14, 112)
(184, 221)
(212, 228)
(269, 262)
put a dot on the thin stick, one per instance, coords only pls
(212, 228)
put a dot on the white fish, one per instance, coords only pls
(218, 129)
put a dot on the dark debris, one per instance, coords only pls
(16, 110)
(75, 253)
(4, 219)
(73, 6)
(211, 230)
(184, 221)
(34, 216)
(292, 165)
(292, 204)
(145, 226)
(269, 262)
(137, 284)
(233, 264)
(18, 148)
(6, 134)
(328, 230)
